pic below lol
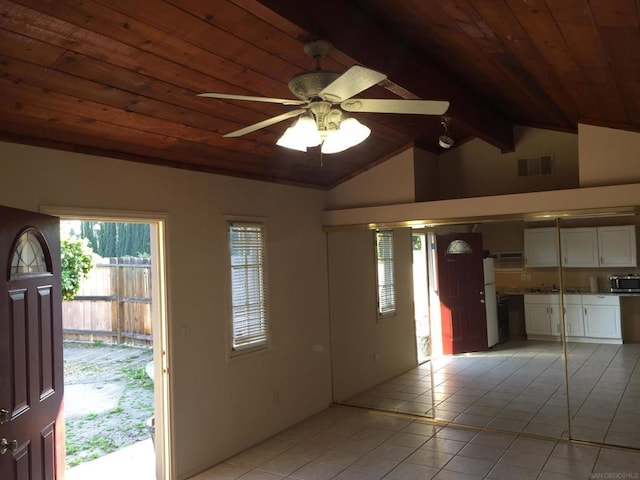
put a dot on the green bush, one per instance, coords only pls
(77, 262)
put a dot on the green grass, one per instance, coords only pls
(138, 377)
(115, 411)
(103, 441)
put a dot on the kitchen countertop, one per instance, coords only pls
(543, 291)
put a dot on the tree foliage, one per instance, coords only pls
(77, 261)
(110, 239)
(417, 242)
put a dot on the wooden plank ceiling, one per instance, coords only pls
(120, 78)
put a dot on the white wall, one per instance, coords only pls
(366, 350)
(427, 177)
(607, 162)
(389, 182)
(473, 169)
(220, 407)
(608, 156)
(476, 168)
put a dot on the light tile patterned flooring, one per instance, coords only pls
(347, 443)
(517, 388)
(520, 387)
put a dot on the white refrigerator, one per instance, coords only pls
(490, 301)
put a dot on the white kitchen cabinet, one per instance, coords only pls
(617, 246)
(573, 317)
(602, 316)
(579, 247)
(542, 315)
(588, 318)
(541, 247)
(599, 246)
(536, 319)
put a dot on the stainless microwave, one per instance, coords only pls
(625, 283)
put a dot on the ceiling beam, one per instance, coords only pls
(353, 32)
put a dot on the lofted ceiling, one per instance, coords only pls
(120, 79)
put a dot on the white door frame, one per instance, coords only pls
(161, 339)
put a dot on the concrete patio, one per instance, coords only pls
(135, 462)
(98, 391)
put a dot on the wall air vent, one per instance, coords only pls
(536, 165)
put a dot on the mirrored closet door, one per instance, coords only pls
(511, 325)
(602, 309)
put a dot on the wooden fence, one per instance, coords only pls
(113, 304)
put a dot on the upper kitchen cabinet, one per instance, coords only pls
(579, 247)
(585, 247)
(599, 246)
(541, 247)
(617, 246)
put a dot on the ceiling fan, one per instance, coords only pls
(323, 98)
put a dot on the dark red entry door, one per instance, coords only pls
(31, 365)
(461, 291)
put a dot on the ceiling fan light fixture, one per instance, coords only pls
(350, 134)
(289, 139)
(323, 97)
(302, 135)
(354, 130)
(307, 130)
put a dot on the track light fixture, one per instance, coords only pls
(445, 141)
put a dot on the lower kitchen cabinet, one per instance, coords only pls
(602, 316)
(542, 314)
(588, 318)
(573, 316)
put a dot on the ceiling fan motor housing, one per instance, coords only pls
(306, 86)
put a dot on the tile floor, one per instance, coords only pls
(520, 387)
(348, 443)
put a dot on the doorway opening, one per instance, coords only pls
(115, 337)
(421, 296)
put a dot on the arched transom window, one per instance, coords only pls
(28, 255)
(458, 246)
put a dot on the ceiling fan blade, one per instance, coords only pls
(373, 105)
(265, 123)
(228, 96)
(355, 80)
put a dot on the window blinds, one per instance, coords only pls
(249, 313)
(386, 286)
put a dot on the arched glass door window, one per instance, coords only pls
(457, 247)
(29, 256)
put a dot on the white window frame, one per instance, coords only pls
(385, 276)
(249, 306)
